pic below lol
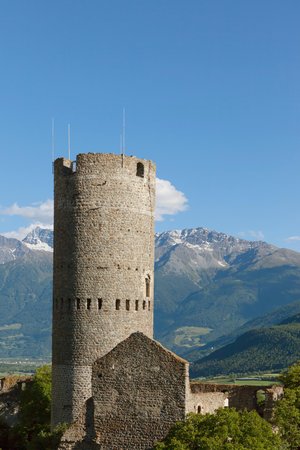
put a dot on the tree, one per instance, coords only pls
(287, 418)
(227, 429)
(287, 410)
(33, 429)
(291, 377)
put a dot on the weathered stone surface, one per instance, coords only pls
(138, 391)
(10, 392)
(209, 397)
(103, 267)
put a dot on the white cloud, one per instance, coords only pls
(40, 212)
(22, 232)
(293, 238)
(257, 235)
(169, 200)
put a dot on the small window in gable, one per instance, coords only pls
(140, 170)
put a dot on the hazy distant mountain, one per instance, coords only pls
(207, 284)
(11, 249)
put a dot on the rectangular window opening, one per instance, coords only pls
(127, 305)
(118, 304)
(77, 303)
(136, 305)
(99, 303)
(88, 303)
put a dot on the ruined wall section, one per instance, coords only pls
(103, 267)
(208, 397)
(139, 392)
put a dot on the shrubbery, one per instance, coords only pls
(33, 430)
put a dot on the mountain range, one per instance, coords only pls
(261, 349)
(209, 287)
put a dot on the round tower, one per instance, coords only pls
(103, 267)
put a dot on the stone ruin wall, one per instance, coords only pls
(103, 267)
(208, 397)
(139, 392)
(11, 387)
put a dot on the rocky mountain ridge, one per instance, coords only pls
(207, 284)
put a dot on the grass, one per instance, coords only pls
(250, 380)
(190, 336)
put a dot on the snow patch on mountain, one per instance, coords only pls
(39, 239)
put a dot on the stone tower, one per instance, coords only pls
(103, 267)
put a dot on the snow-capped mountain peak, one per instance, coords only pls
(39, 239)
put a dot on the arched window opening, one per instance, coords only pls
(140, 170)
(99, 303)
(144, 304)
(199, 409)
(147, 281)
(88, 303)
(77, 303)
(136, 305)
(127, 305)
(118, 304)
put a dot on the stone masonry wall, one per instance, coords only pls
(139, 392)
(210, 396)
(103, 267)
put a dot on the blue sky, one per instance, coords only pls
(212, 95)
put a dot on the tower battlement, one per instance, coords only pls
(103, 266)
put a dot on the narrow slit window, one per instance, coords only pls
(69, 303)
(140, 170)
(88, 303)
(147, 281)
(199, 409)
(118, 304)
(149, 305)
(99, 303)
(78, 303)
(136, 305)
(127, 305)
(144, 304)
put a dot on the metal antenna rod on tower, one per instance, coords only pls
(69, 141)
(123, 142)
(52, 144)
